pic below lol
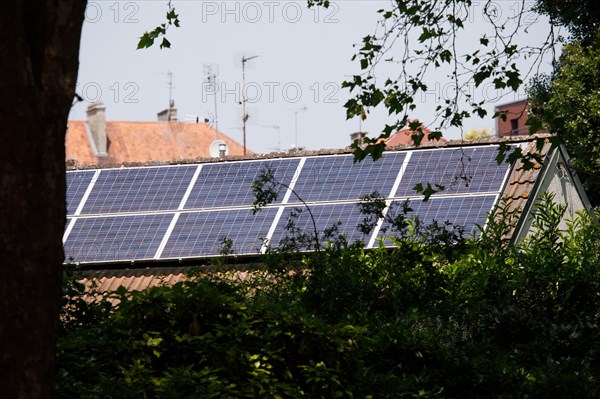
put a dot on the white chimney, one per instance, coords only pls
(96, 120)
(357, 136)
(169, 114)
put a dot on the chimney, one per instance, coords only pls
(357, 136)
(96, 120)
(169, 114)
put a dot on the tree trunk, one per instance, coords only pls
(39, 49)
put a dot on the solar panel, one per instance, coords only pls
(230, 184)
(202, 233)
(116, 238)
(468, 170)
(336, 178)
(77, 184)
(325, 217)
(139, 189)
(173, 212)
(466, 211)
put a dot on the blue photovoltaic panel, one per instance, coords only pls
(470, 170)
(230, 184)
(325, 217)
(116, 238)
(339, 178)
(332, 184)
(461, 211)
(77, 184)
(202, 233)
(139, 189)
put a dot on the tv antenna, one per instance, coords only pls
(190, 118)
(296, 110)
(278, 128)
(171, 87)
(170, 83)
(245, 115)
(210, 79)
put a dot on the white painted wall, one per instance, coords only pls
(559, 181)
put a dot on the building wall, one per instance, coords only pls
(560, 182)
(516, 116)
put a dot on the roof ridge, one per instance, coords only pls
(310, 153)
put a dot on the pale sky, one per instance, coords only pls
(303, 56)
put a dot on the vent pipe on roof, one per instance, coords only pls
(96, 120)
(169, 114)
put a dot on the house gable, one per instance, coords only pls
(559, 179)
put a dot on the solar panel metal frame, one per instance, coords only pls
(340, 170)
(453, 205)
(318, 211)
(186, 232)
(211, 173)
(460, 171)
(105, 200)
(135, 234)
(77, 192)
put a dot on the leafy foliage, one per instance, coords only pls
(568, 104)
(148, 38)
(580, 17)
(422, 38)
(484, 320)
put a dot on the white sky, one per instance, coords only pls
(304, 55)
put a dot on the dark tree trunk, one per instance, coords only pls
(39, 48)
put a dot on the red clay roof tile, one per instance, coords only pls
(147, 141)
(404, 137)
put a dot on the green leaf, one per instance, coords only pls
(428, 190)
(480, 76)
(435, 135)
(417, 138)
(514, 78)
(425, 35)
(446, 56)
(145, 41)
(165, 43)
(516, 155)
(501, 153)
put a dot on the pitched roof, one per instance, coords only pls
(146, 141)
(404, 137)
(519, 193)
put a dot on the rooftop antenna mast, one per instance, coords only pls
(171, 103)
(278, 128)
(301, 109)
(210, 74)
(245, 116)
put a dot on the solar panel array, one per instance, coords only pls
(193, 211)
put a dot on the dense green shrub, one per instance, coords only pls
(425, 319)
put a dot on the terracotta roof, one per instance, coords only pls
(404, 137)
(146, 141)
(520, 185)
(101, 282)
(251, 156)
